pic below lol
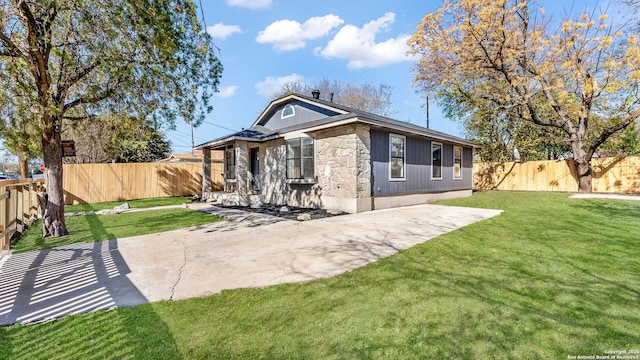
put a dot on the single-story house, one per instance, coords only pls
(306, 152)
(194, 157)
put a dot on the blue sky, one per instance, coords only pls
(265, 43)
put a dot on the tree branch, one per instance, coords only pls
(37, 62)
(78, 118)
(566, 123)
(62, 89)
(606, 133)
(12, 49)
(90, 100)
(79, 75)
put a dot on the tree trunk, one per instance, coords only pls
(583, 165)
(24, 168)
(53, 224)
(584, 176)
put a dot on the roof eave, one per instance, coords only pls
(398, 127)
(225, 141)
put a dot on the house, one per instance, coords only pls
(194, 157)
(306, 152)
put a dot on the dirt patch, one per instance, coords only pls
(288, 212)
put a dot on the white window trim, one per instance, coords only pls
(404, 162)
(293, 113)
(454, 162)
(431, 154)
(304, 180)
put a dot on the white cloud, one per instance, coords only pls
(272, 86)
(251, 4)
(226, 91)
(286, 35)
(359, 46)
(222, 31)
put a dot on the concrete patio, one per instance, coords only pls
(249, 250)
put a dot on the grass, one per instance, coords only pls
(98, 227)
(138, 203)
(549, 278)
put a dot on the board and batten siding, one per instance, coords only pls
(417, 167)
(304, 112)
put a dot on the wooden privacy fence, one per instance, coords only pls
(18, 208)
(90, 183)
(610, 175)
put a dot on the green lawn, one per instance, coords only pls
(139, 203)
(549, 278)
(99, 227)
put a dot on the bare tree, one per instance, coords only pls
(367, 97)
(117, 138)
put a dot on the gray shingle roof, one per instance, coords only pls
(261, 133)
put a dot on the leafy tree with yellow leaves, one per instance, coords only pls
(582, 78)
(503, 137)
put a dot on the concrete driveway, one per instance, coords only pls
(249, 250)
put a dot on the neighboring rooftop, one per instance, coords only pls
(195, 156)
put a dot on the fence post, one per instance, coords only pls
(206, 171)
(19, 208)
(6, 206)
(25, 204)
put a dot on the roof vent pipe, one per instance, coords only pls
(316, 94)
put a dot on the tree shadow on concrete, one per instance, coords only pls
(235, 219)
(344, 249)
(77, 278)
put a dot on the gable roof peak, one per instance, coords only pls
(292, 96)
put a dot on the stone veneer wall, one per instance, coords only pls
(343, 165)
(273, 182)
(343, 170)
(273, 177)
(242, 171)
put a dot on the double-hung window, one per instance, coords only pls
(300, 158)
(230, 164)
(397, 157)
(457, 162)
(436, 161)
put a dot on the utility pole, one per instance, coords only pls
(192, 143)
(427, 106)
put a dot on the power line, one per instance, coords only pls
(180, 140)
(220, 126)
(181, 134)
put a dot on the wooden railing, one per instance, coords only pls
(18, 208)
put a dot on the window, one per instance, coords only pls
(287, 111)
(300, 158)
(457, 162)
(396, 157)
(436, 162)
(229, 164)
